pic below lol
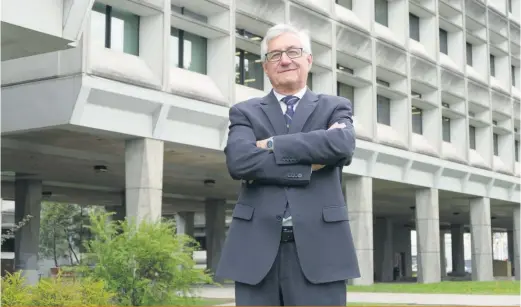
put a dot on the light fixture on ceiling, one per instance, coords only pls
(100, 168)
(46, 194)
(209, 183)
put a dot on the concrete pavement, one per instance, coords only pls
(227, 291)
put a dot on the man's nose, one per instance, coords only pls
(285, 60)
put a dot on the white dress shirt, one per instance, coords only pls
(299, 94)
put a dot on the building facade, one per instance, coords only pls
(134, 114)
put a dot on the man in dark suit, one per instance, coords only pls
(289, 242)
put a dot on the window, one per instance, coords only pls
(516, 150)
(188, 51)
(414, 27)
(496, 144)
(443, 42)
(346, 91)
(445, 125)
(492, 65)
(509, 5)
(469, 54)
(115, 29)
(472, 137)
(381, 12)
(248, 69)
(417, 120)
(383, 110)
(348, 4)
(513, 69)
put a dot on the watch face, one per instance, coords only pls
(270, 144)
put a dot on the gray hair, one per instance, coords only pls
(280, 29)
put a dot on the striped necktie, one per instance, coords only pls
(290, 101)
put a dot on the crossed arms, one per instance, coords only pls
(293, 155)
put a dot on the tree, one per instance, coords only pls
(61, 231)
(144, 263)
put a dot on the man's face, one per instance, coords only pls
(287, 71)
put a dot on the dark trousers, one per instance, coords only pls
(286, 285)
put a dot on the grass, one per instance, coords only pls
(504, 287)
(212, 301)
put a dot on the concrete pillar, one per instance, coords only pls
(516, 238)
(428, 235)
(402, 248)
(384, 249)
(359, 198)
(28, 198)
(215, 217)
(185, 223)
(143, 178)
(457, 233)
(481, 238)
(443, 257)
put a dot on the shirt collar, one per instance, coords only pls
(298, 94)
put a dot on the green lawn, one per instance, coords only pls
(446, 287)
(212, 301)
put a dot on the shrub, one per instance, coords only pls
(54, 292)
(143, 263)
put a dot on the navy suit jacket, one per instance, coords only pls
(272, 179)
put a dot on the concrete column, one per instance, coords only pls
(28, 198)
(458, 249)
(384, 249)
(359, 198)
(516, 238)
(215, 217)
(185, 223)
(144, 178)
(428, 235)
(481, 238)
(402, 246)
(443, 258)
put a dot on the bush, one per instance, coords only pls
(54, 292)
(143, 263)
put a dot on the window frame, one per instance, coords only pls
(415, 18)
(472, 137)
(377, 4)
(379, 100)
(444, 37)
(181, 48)
(445, 129)
(107, 11)
(242, 71)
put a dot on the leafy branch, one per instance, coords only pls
(12, 230)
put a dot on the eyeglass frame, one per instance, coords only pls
(286, 52)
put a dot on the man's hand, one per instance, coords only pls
(316, 167)
(337, 126)
(262, 144)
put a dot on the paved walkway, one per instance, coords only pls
(395, 298)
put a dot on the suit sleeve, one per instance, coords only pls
(327, 147)
(245, 161)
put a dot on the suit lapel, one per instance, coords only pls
(305, 107)
(271, 107)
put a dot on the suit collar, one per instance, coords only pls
(270, 105)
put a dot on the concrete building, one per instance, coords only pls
(134, 117)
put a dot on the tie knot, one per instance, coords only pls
(290, 100)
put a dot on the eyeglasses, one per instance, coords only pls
(275, 56)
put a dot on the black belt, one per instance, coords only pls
(287, 234)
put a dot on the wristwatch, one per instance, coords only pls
(270, 143)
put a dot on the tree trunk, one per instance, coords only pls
(71, 249)
(54, 246)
